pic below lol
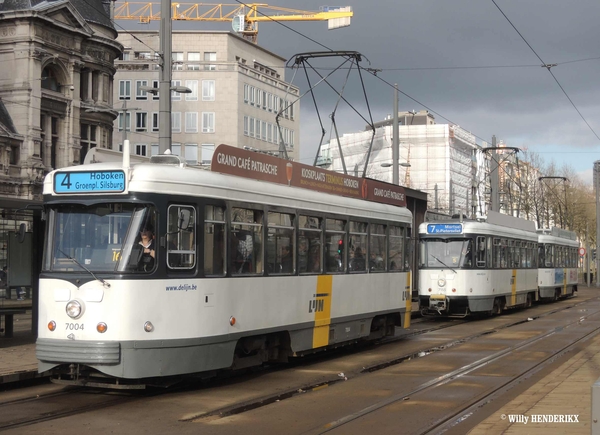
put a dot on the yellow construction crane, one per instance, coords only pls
(244, 18)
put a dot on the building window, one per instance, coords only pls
(88, 140)
(246, 126)
(141, 122)
(193, 85)
(156, 85)
(124, 89)
(155, 121)
(191, 122)
(139, 94)
(125, 116)
(154, 149)
(208, 150)
(210, 56)
(140, 149)
(191, 153)
(193, 57)
(208, 90)
(208, 122)
(176, 122)
(175, 96)
(177, 60)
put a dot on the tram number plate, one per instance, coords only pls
(74, 326)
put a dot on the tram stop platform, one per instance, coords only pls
(563, 391)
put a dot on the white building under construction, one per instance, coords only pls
(441, 159)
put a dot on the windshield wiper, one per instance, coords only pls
(104, 283)
(443, 263)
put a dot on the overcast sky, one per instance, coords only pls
(463, 61)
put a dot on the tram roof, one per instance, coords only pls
(174, 179)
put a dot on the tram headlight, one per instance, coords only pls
(74, 309)
(148, 326)
(441, 282)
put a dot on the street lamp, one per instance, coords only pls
(389, 165)
(154, 91)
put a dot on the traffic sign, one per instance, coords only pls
(582, 251)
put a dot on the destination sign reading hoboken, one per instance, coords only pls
(444, 228)
(89, 182)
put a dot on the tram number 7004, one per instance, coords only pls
(74, 326)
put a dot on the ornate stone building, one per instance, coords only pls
(55, 88)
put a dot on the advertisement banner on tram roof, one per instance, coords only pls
(249, 164)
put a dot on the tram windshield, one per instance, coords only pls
(96, 238)
(451, 253)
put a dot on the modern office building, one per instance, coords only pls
(236, 90)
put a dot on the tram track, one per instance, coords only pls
(454, 418)
(236, 409)
(33, 410)
(29, 411)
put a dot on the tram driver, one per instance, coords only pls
(148, 246)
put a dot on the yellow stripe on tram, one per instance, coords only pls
(513, 287)
(321, 305)
(408, 297)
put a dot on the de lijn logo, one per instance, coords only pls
(317, 304)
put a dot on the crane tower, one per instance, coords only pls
(244, 18)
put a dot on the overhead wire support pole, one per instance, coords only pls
(166, 72)
(395, 140)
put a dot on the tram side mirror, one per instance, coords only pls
(184, 219)
(21, 233)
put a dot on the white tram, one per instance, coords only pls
(218, 292)
(558, 257)
(477, 266)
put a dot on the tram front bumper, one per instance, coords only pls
(438, 303)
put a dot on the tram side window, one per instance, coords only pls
(377, 251)
(214, 240)
(500, 254)
(181, 237)
(523, 250)
(480, 255)
(245, 241)
(281, 249)
(396, 244)
(358, 247)
(309, 244)
(335, 245)
(549, 255)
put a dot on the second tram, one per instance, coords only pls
(477, 266)
(558, 257)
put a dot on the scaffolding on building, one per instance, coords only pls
(435, 154)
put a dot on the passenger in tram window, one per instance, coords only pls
(358, 261)
(314, 257)
(149, 253)
(468, 256)
(287, 260)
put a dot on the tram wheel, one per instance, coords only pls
(529, 302)
(556, 295)
(497, 308)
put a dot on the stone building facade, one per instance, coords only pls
(58, 66)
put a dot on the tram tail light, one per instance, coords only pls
(51, 325)
(101, 327)
(453, 290)
(232, 320)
